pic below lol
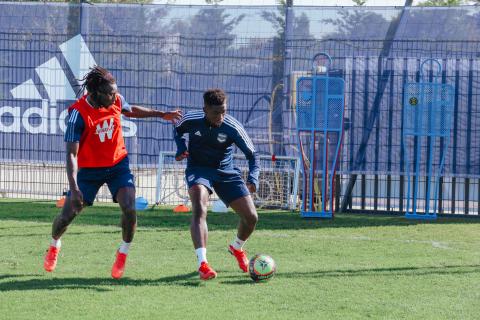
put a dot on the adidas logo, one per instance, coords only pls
(56, 83)
(57, 87)
(198, 133)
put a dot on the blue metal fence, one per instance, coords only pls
(165, 56)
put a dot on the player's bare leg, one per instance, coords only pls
(69, 211)
(199, 231)
(245, 208)
(126, 199)
(198, 227)
(62, 221)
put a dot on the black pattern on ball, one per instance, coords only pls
(261, 267)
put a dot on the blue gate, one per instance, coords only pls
(427, 124)
(320, 108)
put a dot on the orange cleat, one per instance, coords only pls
(51, 257)
(119, 265)
(206, 272)
(241, 257)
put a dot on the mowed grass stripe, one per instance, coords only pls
(354, 267)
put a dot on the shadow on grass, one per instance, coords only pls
(42, 234)
(166, 219)
(239, 282)
(19, 227)
(375, 272)
(98, 284)
(191, 279)
(400, 271)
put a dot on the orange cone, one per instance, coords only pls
(60, 202)
(181, 208)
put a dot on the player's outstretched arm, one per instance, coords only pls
(142, 112)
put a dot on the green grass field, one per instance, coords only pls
(354, 267)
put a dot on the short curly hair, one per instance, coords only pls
(214, 97)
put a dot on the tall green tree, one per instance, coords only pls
(441, 3)
(355, 22)
(360, 2)
(93, 1)
(213, 23)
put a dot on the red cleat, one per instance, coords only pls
(51, 257)
(119, 265)
(206, 272)
(241, 257)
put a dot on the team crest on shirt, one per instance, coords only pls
(222, 137)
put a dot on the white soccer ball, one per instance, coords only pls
(261, 267)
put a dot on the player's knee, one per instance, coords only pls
(129, 212)
(127, 205)
(251, 218)
(199, 209)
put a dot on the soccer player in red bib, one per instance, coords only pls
(96, 155)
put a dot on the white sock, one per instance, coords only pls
(201, 255)
(56, 243)
(124, 247)
(237, 244)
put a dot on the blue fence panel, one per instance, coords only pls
(165, 56)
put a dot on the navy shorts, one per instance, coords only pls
(90, 180)
(228, 184)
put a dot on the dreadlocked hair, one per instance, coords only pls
(94, 79)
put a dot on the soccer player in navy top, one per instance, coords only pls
(211, 134)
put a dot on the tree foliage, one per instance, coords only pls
(90, 1)
(360, 2)
(441, 3)
(355, 23)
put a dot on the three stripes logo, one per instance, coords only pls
(53, 77)
(57, 87)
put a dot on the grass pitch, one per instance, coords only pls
(352, 267)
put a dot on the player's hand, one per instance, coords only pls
(172, 115)
(251, 187)
(76, 197)
(182, 156)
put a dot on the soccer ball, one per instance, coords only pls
(261, 267)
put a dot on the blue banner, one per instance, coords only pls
(166, 56)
